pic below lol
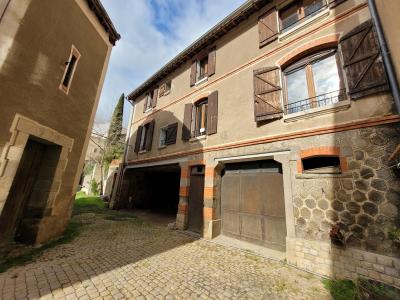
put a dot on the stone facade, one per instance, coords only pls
(364, 201)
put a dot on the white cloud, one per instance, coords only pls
(153, 32)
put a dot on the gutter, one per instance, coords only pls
(387, 60)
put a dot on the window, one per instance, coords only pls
(297, 11)
(321, 165)
(199, 118)
(144, 137)
(313, 81)
(168, 135)
(150, 100)
(203, 66)
(165, 89)
(70, 70)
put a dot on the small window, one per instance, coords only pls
(202, 68)
(199, 118)
(70, 64)
(165, 88)
(298, 11)
(321, 165)
(163, 136)
(314, 81)
(144, 137)
(149, 100)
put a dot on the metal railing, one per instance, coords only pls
(314, 102)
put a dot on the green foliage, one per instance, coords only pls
(88, 169)
(394, 234)
(341, 289)
(115, 146)
(377, 290)
(94, 187)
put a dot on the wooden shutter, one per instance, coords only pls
(212, 113)
(362, 62)
(193, 70)
(333, 3)
(268, 28)
(171, 134)
(267, 94)
(138, 137)
(155, 96)
(162, 90)
(149, 135)
(145, 102)
(211, 62)
(187, 120)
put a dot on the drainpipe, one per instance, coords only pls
(387, 61)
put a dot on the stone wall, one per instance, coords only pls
(364, 201)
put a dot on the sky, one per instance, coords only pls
(153, 32)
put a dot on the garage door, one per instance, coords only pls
(252, 203)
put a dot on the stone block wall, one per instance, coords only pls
(364, 200)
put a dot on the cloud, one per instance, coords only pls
(153, 32)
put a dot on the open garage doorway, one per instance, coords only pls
(252, 203)
(155, 191)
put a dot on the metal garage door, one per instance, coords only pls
(252, 203)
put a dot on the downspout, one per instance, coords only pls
(387, 61)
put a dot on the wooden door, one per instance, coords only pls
(196, 200)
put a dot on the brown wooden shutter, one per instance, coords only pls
(211, 62)
(187, 120)
(162, 90)
(333, 3)
(171, 134)
(267, 94)
(212, 113)
(155, 96)
(362, 62)
(268, 28)
(149, 135)
(138, 137)
(145, 102)
(193, 70)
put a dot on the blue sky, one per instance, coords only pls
(153, 32)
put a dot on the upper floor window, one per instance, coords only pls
(313, 81)
(165, 88)
(168, 135)
(150, 100)
(70, 68)
(297, 11)
(203, 66)
(144, 137)
(201, 118)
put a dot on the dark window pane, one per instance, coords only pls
(321, 164)
(289, 16)
(70, 69)
(312, 6)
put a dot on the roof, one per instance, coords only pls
(104, 19)
(220, 29)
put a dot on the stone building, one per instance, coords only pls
(275, 128)
(53, 59)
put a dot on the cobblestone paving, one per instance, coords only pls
(114, 259)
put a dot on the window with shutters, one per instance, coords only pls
(199, 118)
(165, 89)
(298, 11)
(168, 135)
(150, 100)
(202, 67)
(144, 137)
(313, 81)
(70, 67)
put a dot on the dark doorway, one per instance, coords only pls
(252, 203)
(196, 199)
(155, 189)
(27, 200)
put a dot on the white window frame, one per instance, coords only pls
(74, 52)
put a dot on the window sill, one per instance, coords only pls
(142, 152)
(201, 81)
(302, 25)
(321, 175)
(310, 113)
(162, 147)
(198, 138)
(148, 110)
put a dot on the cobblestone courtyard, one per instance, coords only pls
(126, 259)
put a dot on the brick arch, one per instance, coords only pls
(313, 46)
(200, 97)
(322, 151)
